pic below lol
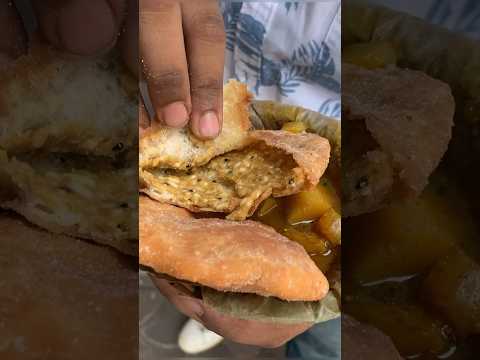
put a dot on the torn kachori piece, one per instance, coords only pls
(234, 173)
(399, 127)
(68, 146)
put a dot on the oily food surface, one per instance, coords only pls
(215, 253)
(237, 182)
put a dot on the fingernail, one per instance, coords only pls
(193, 307)
(209, 126)
(174, 114)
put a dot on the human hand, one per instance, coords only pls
(249, 332)
(181, 45)
(78, 27)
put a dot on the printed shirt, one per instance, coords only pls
(286, 51)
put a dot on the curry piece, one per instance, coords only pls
(310, 205)
(371, 55)
(295, 127)
(453, 288)
(405, 238)
(330, 225)
(273, 212)
(413, 331)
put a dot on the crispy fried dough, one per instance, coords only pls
(409, 117)
(233, 173)
(67, 134)
(215, 253)
(311, 152)
(275, 163)
(63, 296)
(62, 105)
(179, 149)
(57, 193)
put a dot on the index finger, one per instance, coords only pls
(163, 59)
(205, 46)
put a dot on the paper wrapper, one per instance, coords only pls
(259, 308)
(270, 115)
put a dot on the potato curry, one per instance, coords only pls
(412, 269)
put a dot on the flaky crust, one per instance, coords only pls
(64, 296)
(57, 104)
(177, 148)
(215, 253)
(310, 151)
(282, 164)
(68, 130)
(59, 198)
(408, 114)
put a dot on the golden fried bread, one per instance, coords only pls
(179, 149)
(63, 105)
(63, 296)
(404, 114)
(56, 192)
(215, 253)
(275, 163)
(237, 171)
(68, 145)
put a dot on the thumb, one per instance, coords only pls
(81, 27)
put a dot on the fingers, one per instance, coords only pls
(205, 47)
(187, 305)
(251, 332)
(12, 34)
(78, 26)
(129, 37)
(163, 59)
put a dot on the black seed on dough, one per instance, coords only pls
(118, 147)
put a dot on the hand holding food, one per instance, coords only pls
(243, 275)
(243, 331)
(186, 85)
